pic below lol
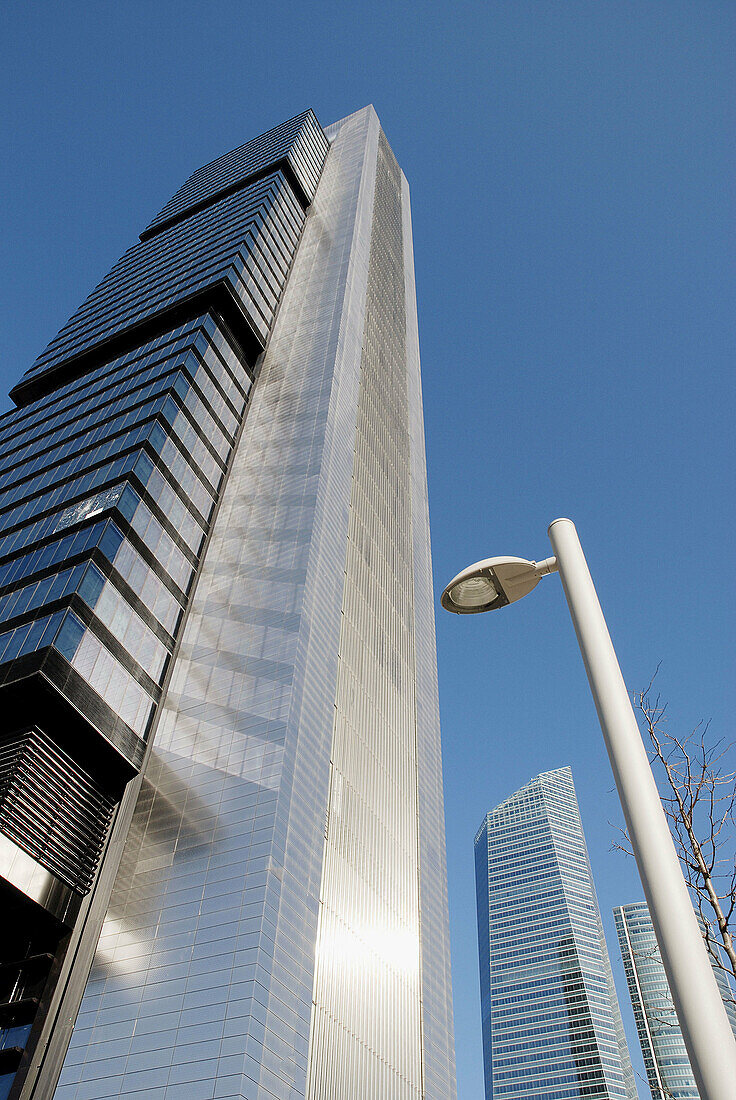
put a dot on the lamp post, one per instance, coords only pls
(495, 582)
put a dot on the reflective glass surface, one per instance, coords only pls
(662, 1046)
(190, 257)
(551, 1022)
(113, 470)
(301, 703)
(300, 141)
(169, 411)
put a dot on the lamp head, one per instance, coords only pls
(493, 583)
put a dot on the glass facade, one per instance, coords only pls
(551, 1022)
(663, 1048)
(214, 555)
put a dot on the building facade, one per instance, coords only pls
(551, 1022)
(662, 1045)
(221, 821)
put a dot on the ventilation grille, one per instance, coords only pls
(51, 808)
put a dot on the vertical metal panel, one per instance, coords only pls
(438, 1048)
(366, 1038)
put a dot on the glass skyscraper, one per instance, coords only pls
(663, 1048)
(222, 863)
(551, 1023)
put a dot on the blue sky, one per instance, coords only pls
(572, 173)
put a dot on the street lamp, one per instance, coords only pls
(495, 582)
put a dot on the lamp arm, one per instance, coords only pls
(542, 568)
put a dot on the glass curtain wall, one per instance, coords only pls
(662, 1045)
(249, 870)
(551, 1022)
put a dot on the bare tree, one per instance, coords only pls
(699, 798)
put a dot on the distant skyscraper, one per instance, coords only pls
(220, 779)
(665, 1058)
(551, 1021)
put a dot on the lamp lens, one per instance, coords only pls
(473, 592)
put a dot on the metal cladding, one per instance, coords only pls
(52, 808)
(551, 1020)
(216, 586)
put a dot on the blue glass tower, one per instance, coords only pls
(662, 1045)
(551, 1023)
(221, 829)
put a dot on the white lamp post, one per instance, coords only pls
(496, 582)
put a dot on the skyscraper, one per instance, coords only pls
(551, 1021)
(663, 1048)
(221, 775)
